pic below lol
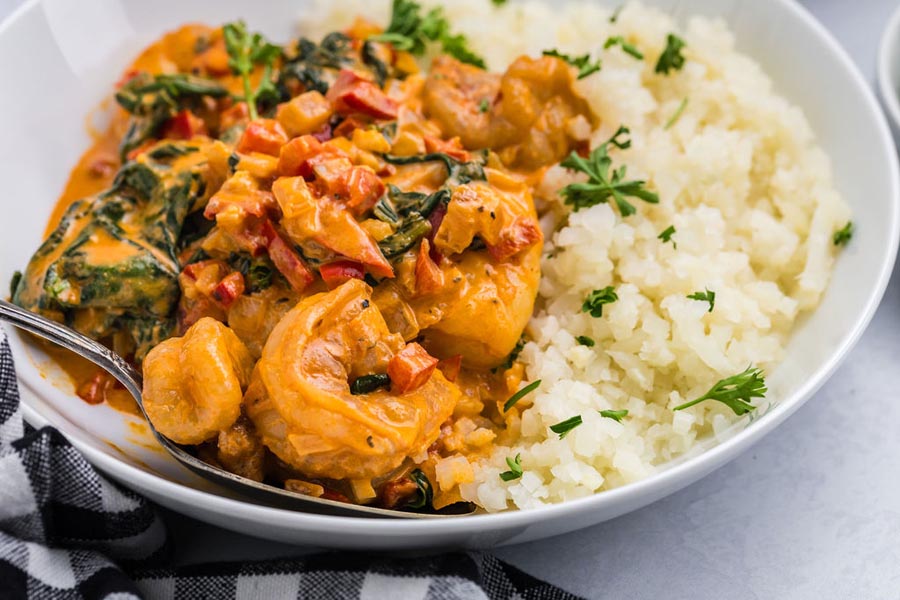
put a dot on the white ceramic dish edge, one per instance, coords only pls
(507, 527)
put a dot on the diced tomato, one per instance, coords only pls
(286, 259)
(184, 126)
(233, 115)
(435, 219)
(398, 491)
(523, 233)
(450, 367)
(293, 156)
(94, 390)
(361, 189)
(263, 135)
(411, 368)
(329, 169)
(341, 271)
(429, 277)
(229, 289)
(452, 147)
(346, 127)
(330, 494)
(351, 93)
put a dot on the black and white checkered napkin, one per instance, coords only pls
(67, 532)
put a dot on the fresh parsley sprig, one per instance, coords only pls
(705, 296)
(735, 392)
(603, 184)
(666, 236)
(596, 299)
(521, 394)
(618, 40)
(515, 469)
(564, 427)
(677, 114)
(245, 50)
(843, 235)
(671, 58)
(411, 31)
(615, 415)
(582, 63)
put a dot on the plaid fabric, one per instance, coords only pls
(67, 532)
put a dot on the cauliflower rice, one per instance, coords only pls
(750, 194)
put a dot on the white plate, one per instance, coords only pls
(59, 58)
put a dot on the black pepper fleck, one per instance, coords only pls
(365, 304)
(370, 442)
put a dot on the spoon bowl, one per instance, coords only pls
(129, 377)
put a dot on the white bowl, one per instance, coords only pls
(58, 59)
(889, 69)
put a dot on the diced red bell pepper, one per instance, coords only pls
(452, 147)
(234, 114)
(435, 219)
(184, 126)
(341, 271)
(329, 169)
(351, 93)
(229, 289)
(429, 277)
(411, 368)
(263, 135)
(361, 189)
(523, 233)
(450, 367)
(293, 156)
(286, 259)
(345, 128)
(94, 390)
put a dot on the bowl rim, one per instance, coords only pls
(655, 485)
(888, 49)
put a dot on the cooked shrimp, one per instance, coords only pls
(497, 286)
(300, 400)
(193, 385)
(529, 107)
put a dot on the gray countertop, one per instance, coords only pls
(812, 511)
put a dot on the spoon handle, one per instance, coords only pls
(72, 340)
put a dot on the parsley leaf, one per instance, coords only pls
(245, 51)
(521, 394)
(484, 105)
(618, 40)
(601, 185)
(615, 415)
(582, 63)
(585, 341)
(515, 469)
(676, 115)
(410, 31)
(843, 235)
(666, 236)
(596, 299)
(735, 392)
(671, 58)
(564, 427)
(706, 296)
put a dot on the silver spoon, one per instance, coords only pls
(111, 362)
